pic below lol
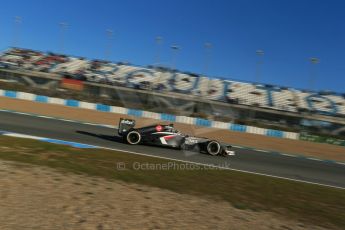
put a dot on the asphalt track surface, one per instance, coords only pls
(295, 168)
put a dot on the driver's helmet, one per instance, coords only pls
(170, 128)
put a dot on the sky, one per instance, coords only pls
(289, 32)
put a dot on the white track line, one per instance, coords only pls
(315, 159)
(220, 167)
(260, 150)
(22, 136)
(288, 155)
(60, 119)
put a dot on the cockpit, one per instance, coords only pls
(170, 128)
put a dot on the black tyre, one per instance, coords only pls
(213, 148)
(133, 137)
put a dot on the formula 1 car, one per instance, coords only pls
(168, 136)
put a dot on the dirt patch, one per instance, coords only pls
(325, 151)
(42, 198)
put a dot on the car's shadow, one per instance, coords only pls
(117, 139)
(102, 136)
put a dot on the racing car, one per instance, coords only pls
(168, 136)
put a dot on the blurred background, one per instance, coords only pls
(267, 64)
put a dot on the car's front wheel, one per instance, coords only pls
(133, 137)
(213, 148)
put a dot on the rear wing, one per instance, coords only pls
(125, 125)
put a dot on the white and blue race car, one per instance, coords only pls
(168, 136)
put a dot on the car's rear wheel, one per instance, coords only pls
(133, 137)
(213, 148)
